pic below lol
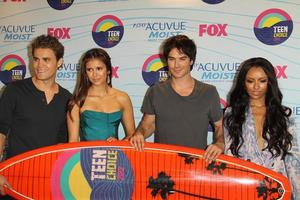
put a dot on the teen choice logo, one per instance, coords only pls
(92, 173)
(12, 68)
(154, 69)
(60, 4)
(273, 26)
(108, 31)
(213, 1)
(223, 103)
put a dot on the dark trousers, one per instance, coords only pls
(6, 197)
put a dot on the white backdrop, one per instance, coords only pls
(226, 33)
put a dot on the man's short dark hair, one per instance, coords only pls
(48, 42)
(183, 44)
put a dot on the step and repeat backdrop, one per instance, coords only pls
(131, 31)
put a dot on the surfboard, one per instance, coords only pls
(104, 170)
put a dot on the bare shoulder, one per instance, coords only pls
(121, 96)
(76, 106)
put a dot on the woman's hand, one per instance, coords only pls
(111, 139)
(3, 183)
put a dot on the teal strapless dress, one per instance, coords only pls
(99, 125)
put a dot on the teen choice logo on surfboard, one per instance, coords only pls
(92, 173)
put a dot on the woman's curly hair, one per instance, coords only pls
(275, 127)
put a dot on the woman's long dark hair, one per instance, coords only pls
(275, 128)
(84, 83)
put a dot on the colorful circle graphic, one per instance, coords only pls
(12, 68)
(273, 26)
(108, 31)
(213, 1)
(224, 105)
(154, 69)
(60, 5)
(92, 173)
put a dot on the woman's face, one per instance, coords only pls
(97, 72)
(256, 83)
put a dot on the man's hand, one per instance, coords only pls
(213, 151)
(3, 183)
(137, 141)
(145, 128)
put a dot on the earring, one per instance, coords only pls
(108, 80)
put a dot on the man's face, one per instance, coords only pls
(179, 63)
(45, 64)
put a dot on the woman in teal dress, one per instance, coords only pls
(96, 108)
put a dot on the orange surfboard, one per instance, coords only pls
(103, 170)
